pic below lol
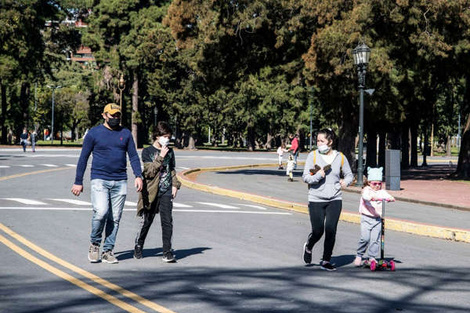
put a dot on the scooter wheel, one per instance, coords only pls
(392, 265)
(373, 265)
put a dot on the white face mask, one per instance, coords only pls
(323, 149)
(163, 141)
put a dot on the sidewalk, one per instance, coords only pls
(440, 208)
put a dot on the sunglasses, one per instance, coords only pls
(376, 184)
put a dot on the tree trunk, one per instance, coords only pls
(463, 166)
(251, 138)
(3, 90)
(371, 154)
(191, 143)
(135, 109)
(405, 147)
(346, 142)
(269, 141)
(382, 147)
(24, 100)
(425, 146)
(414, 145)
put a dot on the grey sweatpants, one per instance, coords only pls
(371, 230)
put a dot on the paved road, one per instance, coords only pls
(233, 256)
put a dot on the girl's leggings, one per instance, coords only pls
(324, 217)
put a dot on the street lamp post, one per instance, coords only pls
(361, 56)
(52, 120)
(121, 86)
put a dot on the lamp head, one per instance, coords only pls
(361, 54)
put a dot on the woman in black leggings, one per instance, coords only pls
(322, 172)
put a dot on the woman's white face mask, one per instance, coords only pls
(163, 141)
(323, 149)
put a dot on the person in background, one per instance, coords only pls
(280, 153)
(322, 172)
(160, 188)
(34, 137)
(24, 139)
(294, 148)
(290, 168)
(109, 143)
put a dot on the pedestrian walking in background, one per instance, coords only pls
(34, 137)
(290, 168)
(160, 188)
(370, 208)
(280, 153)
(322, 171)
(294, 148)
(109, 143)
(24, 139)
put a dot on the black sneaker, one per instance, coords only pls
(138, 252)
(168, 257)
(327, 266)
(307, 255)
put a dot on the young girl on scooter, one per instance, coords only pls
(370, 208)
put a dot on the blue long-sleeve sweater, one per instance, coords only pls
(109, 149)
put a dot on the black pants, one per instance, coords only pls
(324, 217)
(164, 206)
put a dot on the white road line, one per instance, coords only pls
(181, 205)
(183, 168)
(71, 165)
(26, 165)
(73, 201)
(133, 210)
(4, 166)
(218, 205)
(253, 206)
(238, 212)
(25, 201)
(50, 165)
(129, 203)
(45, 208)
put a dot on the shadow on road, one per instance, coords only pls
(158, 252)
(286, 289)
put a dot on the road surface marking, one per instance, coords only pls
(130, 203)
(237, 212)
(33, 173)
(218, 205)
(4, 166)
(76, 281)
(71, 165)
(26, 165)
(73, 201)
(254, 206)
(119, 303)
(50, 165)
(181, 205)
(25, 201)
(133, 210)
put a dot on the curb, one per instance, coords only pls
(447, 233)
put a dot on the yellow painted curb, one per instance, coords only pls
(448, 233)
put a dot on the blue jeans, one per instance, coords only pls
(107, 198)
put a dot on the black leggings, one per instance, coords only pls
(164, 206)
(324, 217)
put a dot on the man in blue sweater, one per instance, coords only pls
(109, 143)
